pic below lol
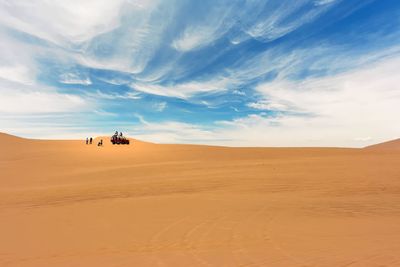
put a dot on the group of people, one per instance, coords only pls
(89, 141)
(116, 134)
(117, 138)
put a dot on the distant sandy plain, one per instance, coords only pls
(64, 203)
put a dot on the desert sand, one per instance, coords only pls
(64, 203)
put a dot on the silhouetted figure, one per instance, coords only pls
(87, 140)
(91, 140)
(120, 134)
(100, 143)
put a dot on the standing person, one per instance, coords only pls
(87, 140)
(91, 140)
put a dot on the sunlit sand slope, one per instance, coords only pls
(390, 145)
(64, 203)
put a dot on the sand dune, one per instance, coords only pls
(64, 203)
(389, 145)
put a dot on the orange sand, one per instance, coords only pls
(63, 203)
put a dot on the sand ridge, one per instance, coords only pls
(64, 203)
(389, 145)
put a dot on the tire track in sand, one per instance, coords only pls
(240, 253)
(268, 236)
(187, 240)
(154, 242)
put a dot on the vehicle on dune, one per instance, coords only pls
(119, 139)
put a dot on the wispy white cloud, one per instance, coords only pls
(27, 102)
(20, 90)
(276, 23)
(264, 24)
(17, 73)
(172, 132)
(213, 24)
(268, 105)
(238, 92)
(194, 38)
(160, 106)
(61, 22)
(324, 2)
(73, 78)
(131, 46)
(184, 90)
(17, 60)
(114, 96)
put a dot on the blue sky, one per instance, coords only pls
(224, 72)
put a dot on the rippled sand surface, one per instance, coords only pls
(64, 203)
